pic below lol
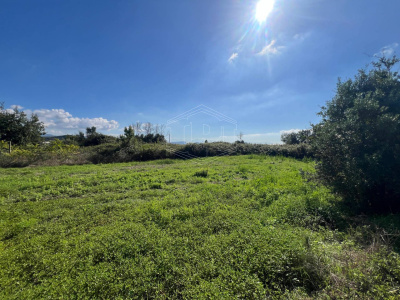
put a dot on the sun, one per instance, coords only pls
(263, 9)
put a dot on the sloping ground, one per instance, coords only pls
(249, 227)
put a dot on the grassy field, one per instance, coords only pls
(247, 227)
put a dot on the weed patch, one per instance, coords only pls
(202, 173)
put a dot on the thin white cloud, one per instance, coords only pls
(300, 37)
(387, 50)
(16, 107)
(11, 109)
(233, 57)
(267, 137)
(290, 131)
(271, 48)
(59, 121)
(259, 138)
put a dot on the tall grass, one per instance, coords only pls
(252, 228)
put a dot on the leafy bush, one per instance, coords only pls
(357, 142)
(202, 173)
(98, 139)
(223, 148)
(56, 152)
(293, 138)
(16, 127)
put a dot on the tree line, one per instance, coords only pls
(94, 138)
(17, 128)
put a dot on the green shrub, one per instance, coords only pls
(202, 173)
(357, 143)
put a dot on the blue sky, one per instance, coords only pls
(111, 63)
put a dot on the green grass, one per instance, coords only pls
(251, 228)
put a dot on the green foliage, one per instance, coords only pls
(201, 173)
(135, 150)
(300, 137)
(4, 147)
(93, 138)
(52, 153)
(152, 138)
(16, 127)
(57, 146)
(357, 142)
(90, 131)
(223, 148)
(152, 230)
(129, 135)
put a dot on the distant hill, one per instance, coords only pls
(50, 137)
(179, 142)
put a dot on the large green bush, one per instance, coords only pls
(357, 141)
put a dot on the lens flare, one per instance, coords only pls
(263, 9)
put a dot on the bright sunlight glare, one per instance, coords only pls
(263, 9)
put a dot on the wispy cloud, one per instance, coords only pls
(300, 37)
(59, 121)
(262, 138)
(271, 48)
(256, 138)
(290, 131)
(16, 107)
(387, 50)
(267, 137)
(233, 57)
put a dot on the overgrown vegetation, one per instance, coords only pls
(136, 150)
(16, 127)
(55, 152)
(255, 227)
(140, 142)
(357, 143)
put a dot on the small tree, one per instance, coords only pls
(90, 131)
(357, 142)
(129, 132)
(81, 138)
(94, 138)
(301, 137)
(16, 127)
(128, 136)
(290, 138)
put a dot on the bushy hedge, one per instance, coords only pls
(58, 152)
(220, 148)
